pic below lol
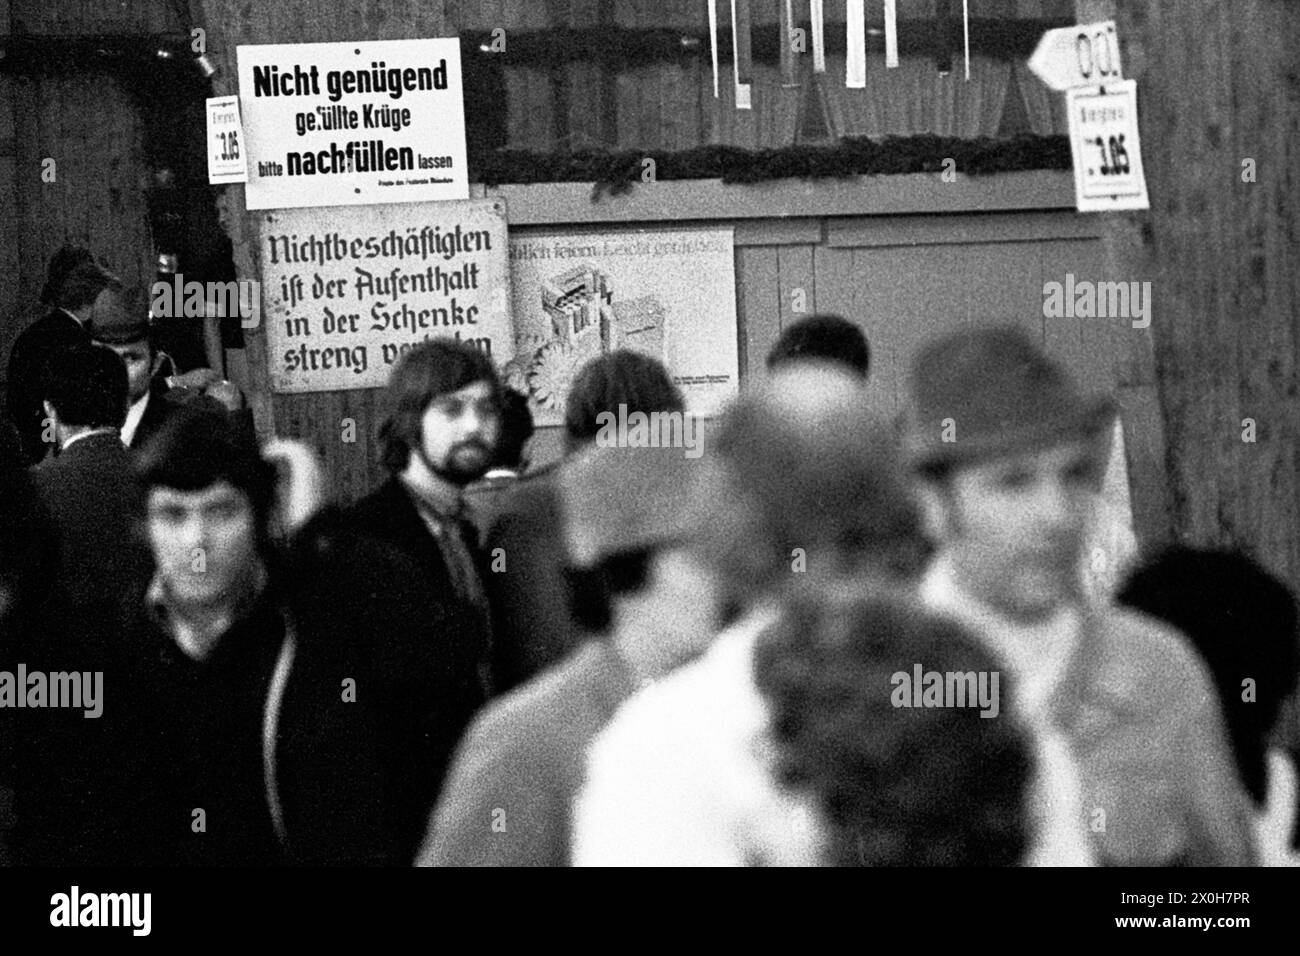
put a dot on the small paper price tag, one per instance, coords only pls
(226, 162)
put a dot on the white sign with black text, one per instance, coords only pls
(225, 141)
(349, 124)
(1107, 152)
(346, 294)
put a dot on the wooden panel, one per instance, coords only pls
(91, 130)
(1222, 256)
(758, 314)
(1076, 340)
(982, 228)
(797, 278)
(1144, 444)
(95, 16)
(778, 232)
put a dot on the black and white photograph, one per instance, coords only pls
(690, 434)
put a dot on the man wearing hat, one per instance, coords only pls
(647, 603)
(148, 407)
(154, 395)
(89, 294)
(1011, 454)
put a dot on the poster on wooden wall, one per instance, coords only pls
(669, 294)
(334, 124)
(346, 292)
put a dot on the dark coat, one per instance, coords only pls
(175, 736)
(96, 505)
(532, 626)
(376, 607)
(25, 379)
(156, 414)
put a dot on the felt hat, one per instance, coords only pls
(621, 499)
(122, 326)
(989, 392)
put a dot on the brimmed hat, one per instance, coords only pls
(621, 499)
(986, 393)
(122, 327)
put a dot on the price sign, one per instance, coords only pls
(226, 162)
(1107, 152)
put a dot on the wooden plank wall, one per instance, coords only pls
(901, 281)
(92, 130)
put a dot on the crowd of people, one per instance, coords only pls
(633, 656)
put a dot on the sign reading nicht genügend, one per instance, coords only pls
(345, 124)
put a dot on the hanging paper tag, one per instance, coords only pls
(891, 34)
(855, 60)
(226, 162)
(1107, 151)
(713, 42)
(965, 29)
(740, 51)
(818, 37)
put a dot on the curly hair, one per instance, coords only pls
(896, 786)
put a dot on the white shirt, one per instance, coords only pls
(68, 443)
(1037, 656)
(1274, 823)
(133, 416)
(683, 774)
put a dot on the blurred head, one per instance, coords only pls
(443, 412)
(208, 498)
(1242, 622)
(1014, 527)
(809, 485)
(823, 338)
(633, 519)
(618, 378)
(86, 387)
(92, 293)
(1012, 456)
(62, 263)
(516, 430)
(896, 786)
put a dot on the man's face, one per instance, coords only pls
(1015, 526)
(458, 432)
(203, 541)
(140, 366)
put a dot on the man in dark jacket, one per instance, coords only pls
(88, 294)
(88, 488)
(369, 722)
(533, 628)
(148, 404)
(170, 771)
